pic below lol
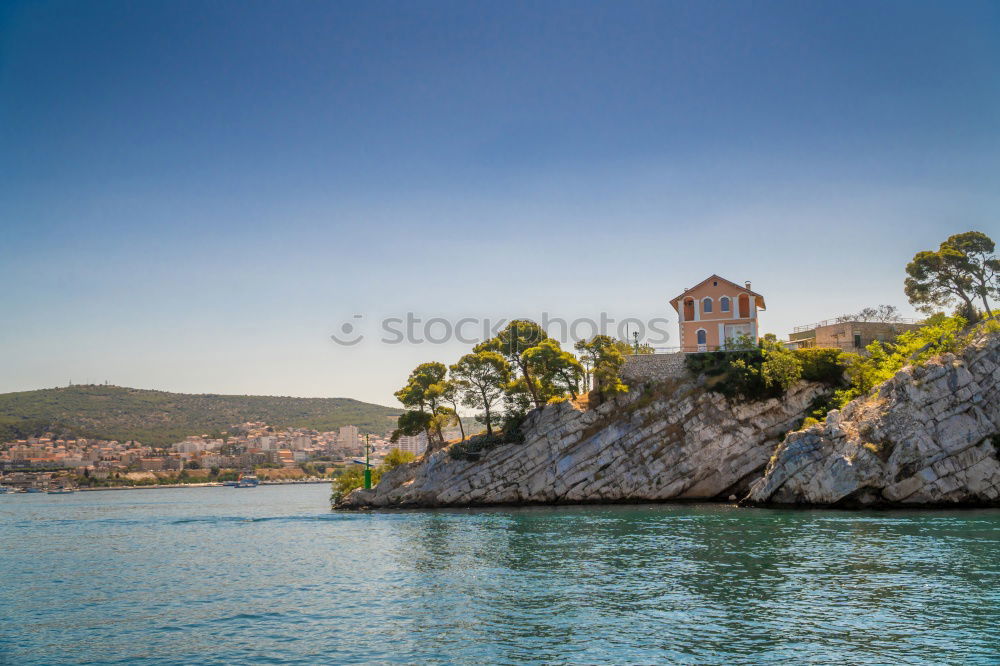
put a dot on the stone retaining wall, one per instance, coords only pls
(653, 367)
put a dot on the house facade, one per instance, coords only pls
(716, 310)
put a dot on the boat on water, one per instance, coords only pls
(232, 484)
(32, 489)
(247, 481)
(6, 489)
(61, 491)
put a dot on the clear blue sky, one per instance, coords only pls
(194, 196)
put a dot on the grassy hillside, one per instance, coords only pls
(159, 418)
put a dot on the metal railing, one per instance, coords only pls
(837, 320)
(694, 349)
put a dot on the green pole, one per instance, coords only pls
(368, 467)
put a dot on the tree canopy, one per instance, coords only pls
(422, 395)
(603, 354)
(962, 269)
(482, 378)
(555, 371)
(517, 337)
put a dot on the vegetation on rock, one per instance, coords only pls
(938, 335)
(749, 372)
(520, 368)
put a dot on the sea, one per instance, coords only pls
(270, 575)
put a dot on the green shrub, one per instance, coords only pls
(748, 373)
(822, 365)
(473, 447)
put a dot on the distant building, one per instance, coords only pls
(152, 464)
(847, 335)
(415, 444)
(192, 445)
(348, 439)
(716, 311)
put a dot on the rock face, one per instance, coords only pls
(675, 442)
(930, 435)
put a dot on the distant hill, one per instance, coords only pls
(158, 418)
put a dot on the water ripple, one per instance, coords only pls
(269, 576)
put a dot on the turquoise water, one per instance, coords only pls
(269, 575)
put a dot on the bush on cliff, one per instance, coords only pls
(821, 364)
(747, 372)
(472, 448)
(940, 334)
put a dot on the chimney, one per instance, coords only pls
(747, 283)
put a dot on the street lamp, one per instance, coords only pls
(368, 466)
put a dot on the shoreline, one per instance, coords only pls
(213, 484)
(738, 505)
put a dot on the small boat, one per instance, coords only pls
(61, 491)
(247, 481)
(32, 489)
(6, 489)
(231, 484)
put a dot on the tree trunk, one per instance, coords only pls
(973, 316)
(571, 384)
(461, 428)
(986, 306)
(530, 383)
(489, 421)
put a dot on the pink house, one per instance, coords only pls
(716, 310)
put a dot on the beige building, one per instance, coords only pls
(848, 335)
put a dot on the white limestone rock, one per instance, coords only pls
(928, 436)
(686, 443)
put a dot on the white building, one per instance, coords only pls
(191, 445)
(348, 438)
(415, 444)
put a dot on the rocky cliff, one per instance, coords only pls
(671, 440)
(929, 436)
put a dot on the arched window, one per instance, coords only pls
(702, 336)
(724, 304)
(706, 305)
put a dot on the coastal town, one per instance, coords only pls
(276, 455)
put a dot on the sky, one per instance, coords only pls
(195, 196)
